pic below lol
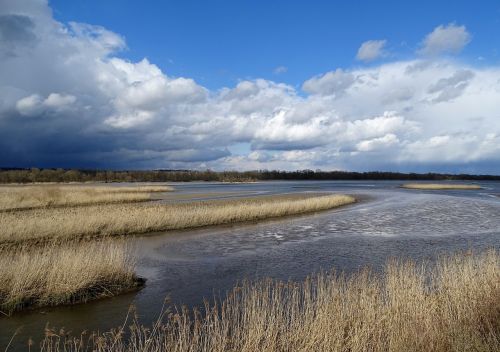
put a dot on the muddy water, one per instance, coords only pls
(191, 265)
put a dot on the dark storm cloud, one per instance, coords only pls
(16, 29)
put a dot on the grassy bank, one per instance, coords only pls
(63, 274)
(454, 306)
(123, 219)
(440, 186)
(42, 196)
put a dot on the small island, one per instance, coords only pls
(440, 186)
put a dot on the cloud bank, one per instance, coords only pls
(68, 100)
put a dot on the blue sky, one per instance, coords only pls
(241, 85)
(219, 43)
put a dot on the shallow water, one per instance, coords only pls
(191, 265)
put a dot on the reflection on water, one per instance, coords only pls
(188, 266)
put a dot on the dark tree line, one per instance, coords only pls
(63, 175)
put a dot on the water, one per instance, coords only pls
(191, 265)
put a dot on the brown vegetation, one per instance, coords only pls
(454, 306)
(64, 274)
(123, 219)
(440, 186)
(43, 263)
(41, 196)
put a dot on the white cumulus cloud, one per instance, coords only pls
(371, 50)
(449, 39)
(34, 104)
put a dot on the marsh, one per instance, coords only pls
(190, 265)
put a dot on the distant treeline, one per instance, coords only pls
(63, 175)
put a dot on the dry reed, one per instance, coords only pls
(440, 186)
(41, 196)
(453, 306)
(64, 274)
(124, 219)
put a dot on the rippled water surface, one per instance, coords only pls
(187, 266)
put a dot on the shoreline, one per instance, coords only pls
(95, 238)
(98, 293)
(65, 274)
(128, 220)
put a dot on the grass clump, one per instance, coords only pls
(452, 306)
(64, 274)
(440, 186)
(124, 219)
(46, 196)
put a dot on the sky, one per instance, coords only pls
(244, 85)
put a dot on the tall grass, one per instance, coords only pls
(124, 219)
(440, 186)
(40, 196)
(453, 306)
(64, 274)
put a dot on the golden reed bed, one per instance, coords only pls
(454, 306)
(124, 219)
(64, 274)
(44, 263)
(440, 186)
(46, 196)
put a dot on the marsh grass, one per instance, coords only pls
(64, 274)
(452, 306)
(46, 196)
(123, 219)
(440, 186)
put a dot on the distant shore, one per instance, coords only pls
(34, 175)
